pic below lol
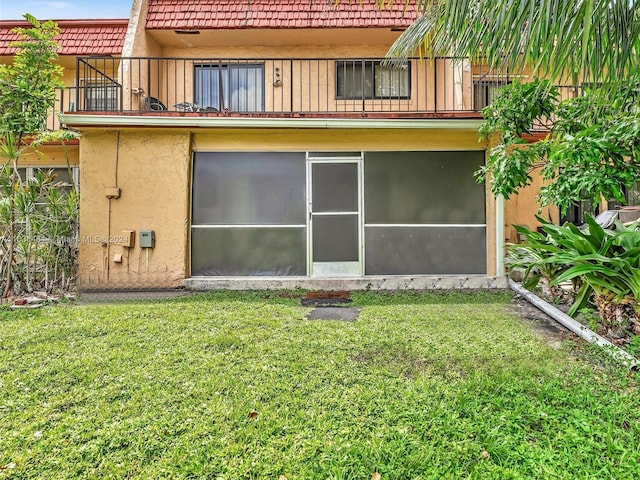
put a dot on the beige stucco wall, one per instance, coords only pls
(521, 209)
(152, 170)
(312, 85)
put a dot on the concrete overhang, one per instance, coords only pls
(114, 121)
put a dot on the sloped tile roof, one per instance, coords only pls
(77, 37)
(233, 14)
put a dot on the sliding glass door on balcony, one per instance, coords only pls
(234, 87)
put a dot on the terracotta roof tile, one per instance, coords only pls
(232, 14)
(77, 37)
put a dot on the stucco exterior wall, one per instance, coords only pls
(307, 85)
(521, 209)
(151, 169)
(335, 140)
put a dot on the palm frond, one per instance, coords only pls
(589, 40)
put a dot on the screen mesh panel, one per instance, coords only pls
(335, 238)
(425, 250)
(423, 187)
(248, 251)
(249, 188)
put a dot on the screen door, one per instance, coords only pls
(335, 205)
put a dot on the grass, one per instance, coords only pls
(242, 386)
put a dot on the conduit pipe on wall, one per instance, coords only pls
(576, 327)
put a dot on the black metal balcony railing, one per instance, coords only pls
(283, 87)
(65, 102)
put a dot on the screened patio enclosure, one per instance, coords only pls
(337, 214)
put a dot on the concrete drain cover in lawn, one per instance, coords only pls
(345, 314)
(330, 306)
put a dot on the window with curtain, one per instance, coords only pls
(370, 79)
(484, 91)
(236, 87)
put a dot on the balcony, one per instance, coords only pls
(302, 87)
(282, 87)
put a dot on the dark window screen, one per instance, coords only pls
(427, 189)
(423, 188)
(335, 187)
(249, 188)
(248, 251)
(335, 238)
(424, 250)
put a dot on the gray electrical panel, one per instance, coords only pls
(147, 239)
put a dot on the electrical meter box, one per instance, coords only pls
(147, 239)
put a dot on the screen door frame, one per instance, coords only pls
(336, 269)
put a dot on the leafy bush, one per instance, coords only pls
(592, 150)
(603, 264)
(41, 215)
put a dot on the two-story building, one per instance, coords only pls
(233, 144)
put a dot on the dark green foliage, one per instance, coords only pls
(38, 222)
(576, 39)
(591, 153)
(27, 86)
(599, 261)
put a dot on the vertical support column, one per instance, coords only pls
(499, 202)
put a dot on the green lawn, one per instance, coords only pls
(242, 386)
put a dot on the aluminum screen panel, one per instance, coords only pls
(355, 155)
(335, 187)
(423, 188)
(248, 251)
(249, 188)
(335, 238)
(425, 251)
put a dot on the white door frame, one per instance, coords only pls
(335, 269)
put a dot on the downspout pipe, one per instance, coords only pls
(583, 332)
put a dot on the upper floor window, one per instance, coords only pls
(633, 194)
(236, 87)
(99, 95)
(369, 79)
(62, 179)
(485, 90)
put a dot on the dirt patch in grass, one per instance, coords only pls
(542, 324)
(410, 365)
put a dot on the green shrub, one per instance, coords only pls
(603, 264)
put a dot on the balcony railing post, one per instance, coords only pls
(55, 115)
(435, 85)
(291, 85)
(364, 74)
